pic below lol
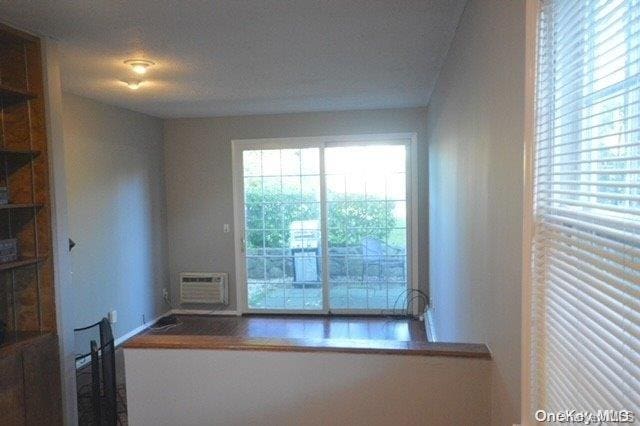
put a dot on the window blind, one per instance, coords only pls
(586, 207)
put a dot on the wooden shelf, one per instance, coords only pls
(19, 206)
(18, 152)
(15, 95)
(20, 263)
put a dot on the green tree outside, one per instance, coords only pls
(273, 209)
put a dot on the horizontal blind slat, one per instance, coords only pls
(592, 206)
(598, 374)
(604, 184)
(588, 194)
(623, 265)
(599, 245)
(616, 227)
(618, 363)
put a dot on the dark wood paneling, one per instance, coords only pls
(6, 300)
(12, 62)
(23, 228)
(27, 299)
(11, 391)
(15, 125)
(42, 383)
(47, 296)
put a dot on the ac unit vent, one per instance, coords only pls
(203, 287)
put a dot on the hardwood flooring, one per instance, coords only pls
(298, 327)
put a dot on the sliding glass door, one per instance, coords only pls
(323, 226)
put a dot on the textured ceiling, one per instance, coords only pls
(230, 57)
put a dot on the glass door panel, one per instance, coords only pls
(366, 226)
(282, 229)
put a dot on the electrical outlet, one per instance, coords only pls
(226, 228)
(165, 296)
(112, 316)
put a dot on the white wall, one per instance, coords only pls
(199, 179)
(115, 190)
(65, 309)
(475, 136)
(205, 387)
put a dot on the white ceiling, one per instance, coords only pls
(229, 57)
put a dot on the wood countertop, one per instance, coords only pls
(357, 346)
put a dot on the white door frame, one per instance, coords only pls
(532, 11)
(240, 145)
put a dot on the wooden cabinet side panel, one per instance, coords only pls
(12, 410)
(42, 398)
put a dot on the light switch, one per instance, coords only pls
(225, 228)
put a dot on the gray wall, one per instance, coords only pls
(199, 179)
(267, 388)
(475, 136)
(115, 190)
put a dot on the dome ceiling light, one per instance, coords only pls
(139, 66)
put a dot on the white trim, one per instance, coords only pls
(430, 325)
(313, 141)
(204, 312)
(412, 243)
(120, 340)
(409, 139)
(238, 228)
(324, 234)
(531, 32)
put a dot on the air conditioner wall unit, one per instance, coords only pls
(204, 287)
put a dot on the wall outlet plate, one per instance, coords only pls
(112, 316)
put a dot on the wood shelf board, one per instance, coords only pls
(19, 152)
(20, 263)
(20, 206)
(12, 92)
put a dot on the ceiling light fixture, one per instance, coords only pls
(139, 66)
(133, 84)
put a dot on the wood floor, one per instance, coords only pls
(298, 327)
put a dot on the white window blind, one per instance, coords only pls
(586, 230)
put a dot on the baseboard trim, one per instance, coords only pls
(429, 325)
(120, 340)
(204, 312)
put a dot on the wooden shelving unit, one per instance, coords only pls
(29, 364)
